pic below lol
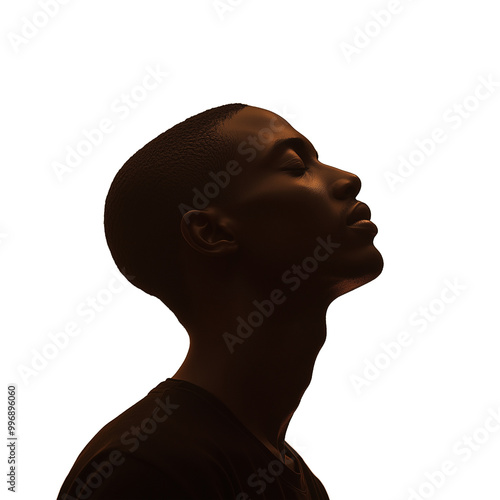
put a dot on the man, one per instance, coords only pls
(231, 220)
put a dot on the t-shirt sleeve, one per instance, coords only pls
(134, 479)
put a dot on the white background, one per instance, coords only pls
(362, 112)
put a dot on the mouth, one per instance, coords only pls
(359, 218)
(360, 212)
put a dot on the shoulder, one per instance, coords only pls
(168, 443)
(125, 476)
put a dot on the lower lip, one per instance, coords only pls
(365, 225)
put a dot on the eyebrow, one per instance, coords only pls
(296, 143)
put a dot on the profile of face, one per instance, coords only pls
(285, 198)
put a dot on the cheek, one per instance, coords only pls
(294, 205)
(285, 226)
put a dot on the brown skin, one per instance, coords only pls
(236, 250)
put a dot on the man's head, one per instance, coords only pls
(235, 191)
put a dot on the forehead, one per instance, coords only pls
(261, 130)
(251, 120)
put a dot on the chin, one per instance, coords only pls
(372, 265)
(358, 273)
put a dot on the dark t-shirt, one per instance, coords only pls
(182, 443)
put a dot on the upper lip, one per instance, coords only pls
(360, 211)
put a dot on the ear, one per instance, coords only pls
(205, 231)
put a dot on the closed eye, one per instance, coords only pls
(296, 167)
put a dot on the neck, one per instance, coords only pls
(262, 374)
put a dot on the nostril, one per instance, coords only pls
(346, 188)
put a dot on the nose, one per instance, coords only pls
(348, 186)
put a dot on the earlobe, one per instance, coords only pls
(203, 231)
